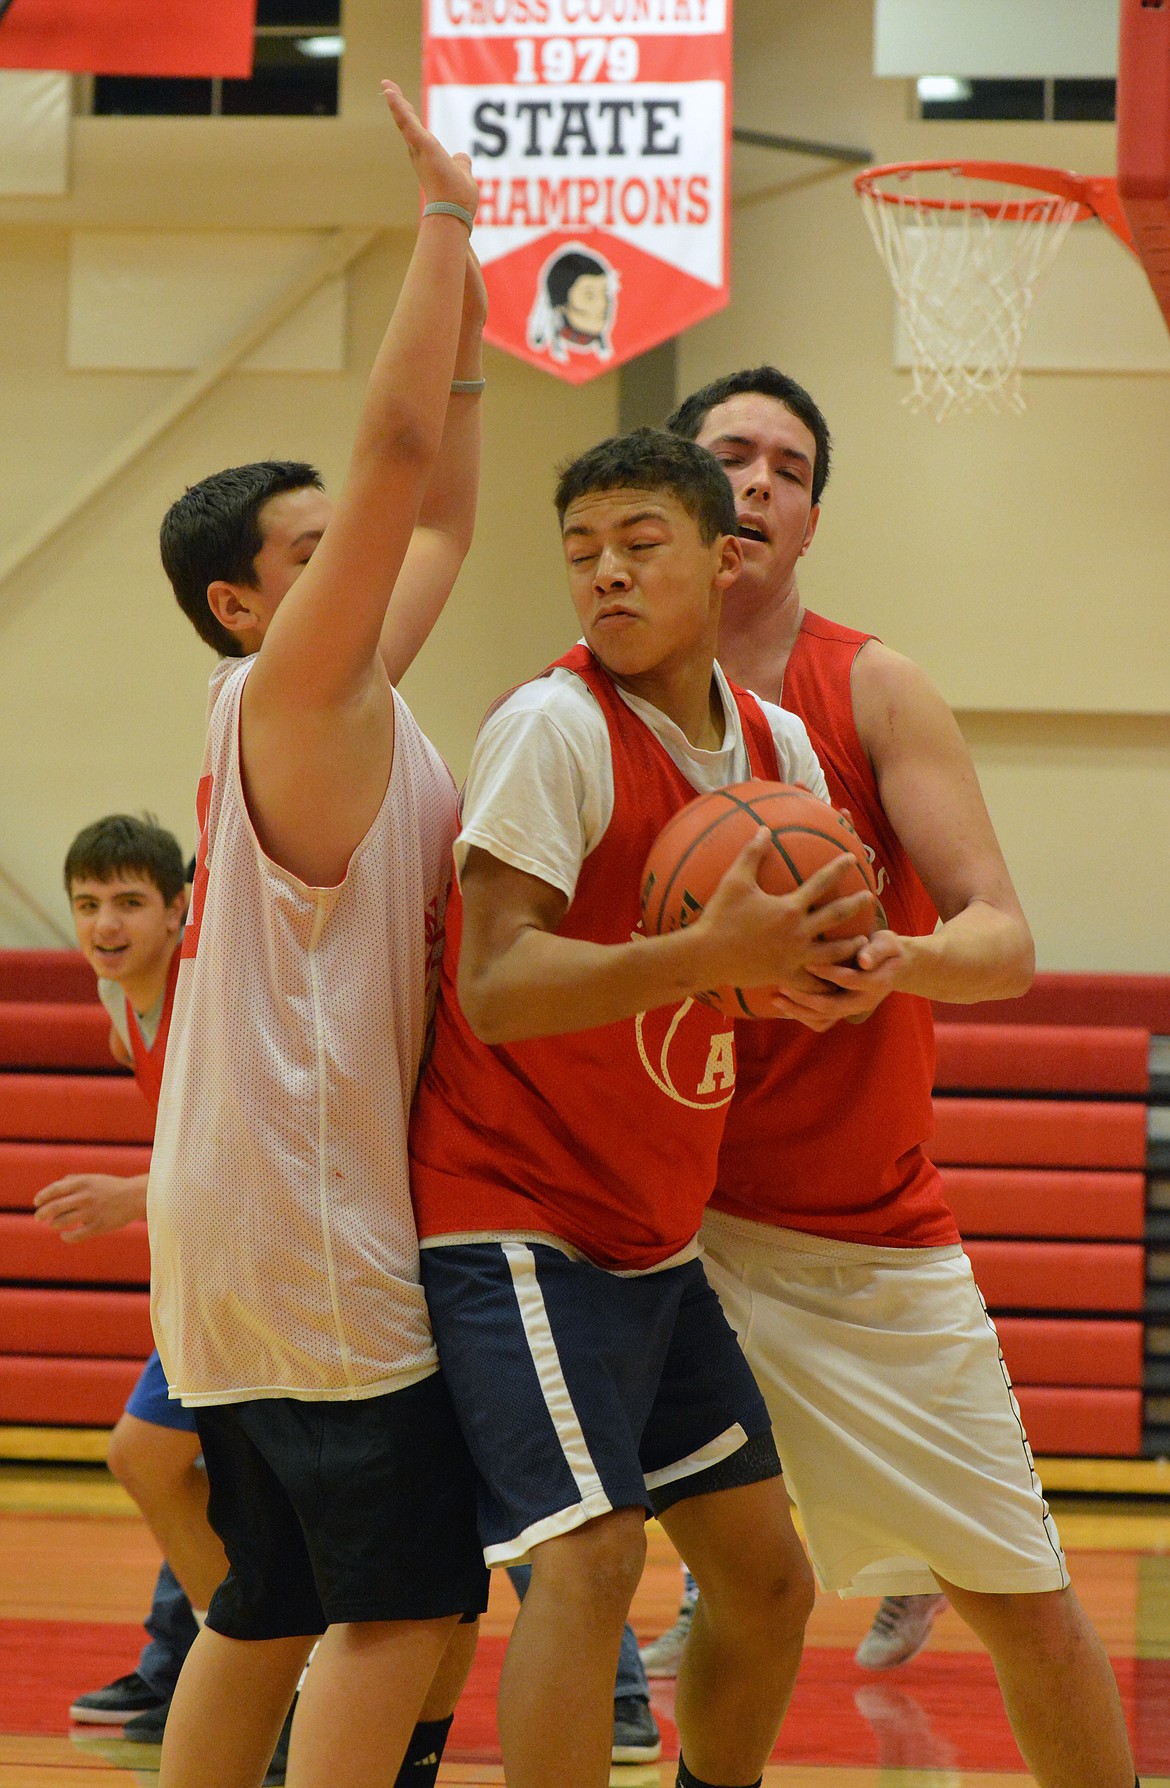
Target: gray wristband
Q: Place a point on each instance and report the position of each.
(468, 387)
(448, 208)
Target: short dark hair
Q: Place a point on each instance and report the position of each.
(120, 844)
(650, 459)
(213, 532)
(691, 414)
(566, 270)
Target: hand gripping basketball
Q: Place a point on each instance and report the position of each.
(785, 877)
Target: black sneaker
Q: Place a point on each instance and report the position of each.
(636, 1738)
(147, 1728)
(117, 1702)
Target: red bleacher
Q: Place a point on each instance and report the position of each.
(42, 1320)
(1028, 1275)
(78, 1393)
(74, 1317)
(1031, 1201)
(1122, 1002)
(1094, 1423)
(59, 1036)
(1041, 1135)
(73, 1108)
(1044, 1058)
(1040, 1114)
(1060, 1350)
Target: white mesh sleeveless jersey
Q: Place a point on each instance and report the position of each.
(283, 1248)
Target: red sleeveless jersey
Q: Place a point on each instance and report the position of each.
(148, 1063)
(607, 1138)
(826, 1132)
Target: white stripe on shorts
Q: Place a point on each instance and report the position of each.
(715, 1450)
(557, 1400)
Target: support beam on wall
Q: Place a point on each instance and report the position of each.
(647, 388)
(32, 904)
(336, 255)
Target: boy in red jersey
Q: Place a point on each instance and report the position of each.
(565, 1135)
(828, 1238)
(127, 892)
(285, 1294)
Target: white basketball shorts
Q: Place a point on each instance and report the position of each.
(901, 1441)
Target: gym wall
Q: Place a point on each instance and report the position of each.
(1023, 562)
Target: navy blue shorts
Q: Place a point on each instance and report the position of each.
(151, 1401)
(582, 1391)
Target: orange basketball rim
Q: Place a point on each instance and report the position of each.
(966, 242)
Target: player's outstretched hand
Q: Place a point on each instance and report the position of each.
(440, 175)
(764, 940)
(88, 1204)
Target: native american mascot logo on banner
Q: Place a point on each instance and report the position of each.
(599, 133)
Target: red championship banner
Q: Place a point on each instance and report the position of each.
(129, 37)
(599, 131)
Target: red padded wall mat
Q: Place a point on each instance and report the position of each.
(1043, 1201)
(1060, 1350)
(1043, 1058)
(102, 1324)
(36, 1035)
(54, 975)
(75, 1393)
(73, 1108)
(1056, 998)
(1060, 1275)
(1089, 1423)
(30, 1250)
(27, 1166)
(1037, 1133)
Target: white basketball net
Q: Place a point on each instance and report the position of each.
(965, 280)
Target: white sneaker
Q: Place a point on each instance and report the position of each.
(900, 1629)
(661, 1656)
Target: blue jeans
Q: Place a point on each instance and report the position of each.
(631, 1678)
(172, 1630)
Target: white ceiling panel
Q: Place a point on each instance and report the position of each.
(35, 115)
(1003, 39)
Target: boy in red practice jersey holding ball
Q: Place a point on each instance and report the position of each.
(565, 1135)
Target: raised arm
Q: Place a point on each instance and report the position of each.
(446, 517)
(317, 727)
(929, 790)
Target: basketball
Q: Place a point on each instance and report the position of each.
(698, 845)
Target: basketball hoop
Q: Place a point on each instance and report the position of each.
(966, 244)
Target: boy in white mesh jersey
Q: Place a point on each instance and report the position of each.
(285, 1292)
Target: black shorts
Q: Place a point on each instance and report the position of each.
(341, 1511)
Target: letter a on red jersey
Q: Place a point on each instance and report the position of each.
(599, 132)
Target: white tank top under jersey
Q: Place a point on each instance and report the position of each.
(283, 1248)
(539, 793)
(113, 998)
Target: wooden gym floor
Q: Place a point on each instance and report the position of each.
(77, 1567)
